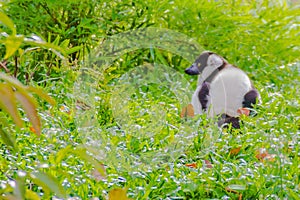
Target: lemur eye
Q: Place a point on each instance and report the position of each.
(199, 64)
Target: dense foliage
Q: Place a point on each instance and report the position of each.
(124, 133)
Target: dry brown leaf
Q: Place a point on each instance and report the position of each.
(187, 111)
(80, 105)
(99, 176)
(208, 164)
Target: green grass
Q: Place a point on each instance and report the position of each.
(145, 147)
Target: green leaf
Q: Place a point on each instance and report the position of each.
(49, 183)
(12, 44)
(65, 44)
(8, 22)
(161, 58)
(74, 49)
(19, 190)
(60, 52)
(55, 49)
(29, 104)
(237, 187)
(56, 41)
(293, 194)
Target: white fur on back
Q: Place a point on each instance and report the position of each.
(227, 91)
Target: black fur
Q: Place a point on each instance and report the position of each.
(250, 98)
(202, 95)
(226, 120)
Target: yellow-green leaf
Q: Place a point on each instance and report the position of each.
(73, 49)
(12, 44)
(61, 154)
(10, 197)
(41, 94)
(8, 22)
(65, 44)
(29, 104)
(118, 194)
(82, 154)
(13, 81)
(30, 195)
(8, 140)
(60, 52)
(9, 104)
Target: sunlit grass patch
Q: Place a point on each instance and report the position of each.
(137, 135)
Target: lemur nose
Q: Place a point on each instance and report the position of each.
(192, 70)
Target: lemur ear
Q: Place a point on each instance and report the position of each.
(214, 61)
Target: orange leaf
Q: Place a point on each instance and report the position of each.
(262, 154)
(187, 111)
(191, 165)
(235, 151)
(243, 111)
(241, 196)
(231, 190)
(234, 192)
(32, 129)
(65, 109)
(62, 108)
